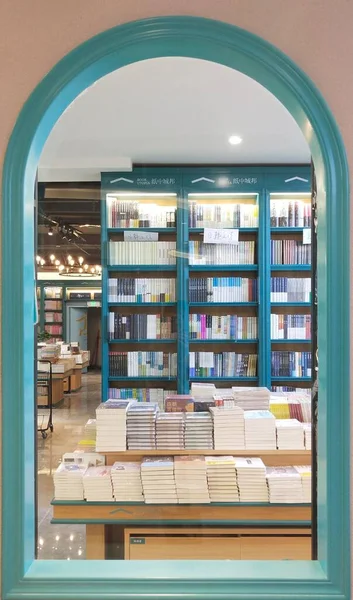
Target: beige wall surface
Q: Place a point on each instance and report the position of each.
(316, 34)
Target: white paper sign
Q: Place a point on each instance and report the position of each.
(221, 236)
(140, 236)
(307, 236)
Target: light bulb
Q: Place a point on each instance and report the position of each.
(42, 262)
(85, 267)
(38, 259)
(57, 262)
(234, 140)
(69, 257)
(52, 257)
(61, 267)
(80, 260)
(80, 270)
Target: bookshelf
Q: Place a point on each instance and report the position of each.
(241, 306)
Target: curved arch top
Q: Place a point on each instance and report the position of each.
(228, 45)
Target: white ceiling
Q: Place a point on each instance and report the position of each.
(170, 110)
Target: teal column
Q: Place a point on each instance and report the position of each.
(182, 290)
(264, 290)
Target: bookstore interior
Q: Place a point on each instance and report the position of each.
(176, 323)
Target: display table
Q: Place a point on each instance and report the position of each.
(96, 515)
(278, 531)
(74, 382)
(57, 388)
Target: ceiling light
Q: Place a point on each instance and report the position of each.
(57, 262)
(234, 140)
(52, 257)
(50, 231)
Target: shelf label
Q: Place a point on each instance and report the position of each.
(221, 236)
(140, 236)
(135, 540)
(94, 304)
(307, 236)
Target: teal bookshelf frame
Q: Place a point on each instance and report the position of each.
(219, 182)
(24, 577)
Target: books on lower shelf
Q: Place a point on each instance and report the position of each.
(260, 430)
(222, 364)
(126, 481)
(111, 425)
(125, 213)
(305, 475)
(284, 485)
(68, 481)
(290, 289)
(222, 327)
(290, 327)
(187, 479)
(191, 480)
(142, 364)
(141, 290)
(289, 389)
(251, 477)
(141, 326)
(222, 289)
(290, 252)
(242, 253)
(225, 215)
(142, 253)
(158, 481)
(141, 425)
(290, 434)
(290, 213)
(290, 364)
(222, 479)
(97, 484)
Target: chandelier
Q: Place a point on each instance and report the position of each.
(70, 266)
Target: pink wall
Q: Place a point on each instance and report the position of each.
(316, 34)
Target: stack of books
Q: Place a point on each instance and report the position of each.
(203, 394)
(252, 398)
(141, 426)
(178, 403)
(228, 427)
(126, 480)
(290, 434)
(198, 431)
(97, 485)
(260, 430)
(222, 479)
(305, 475)
(158, 481)
(170, 431)
(307, 436)
(284, 485)
(68, 481)
(111, 425)
(191, 480)
(251, 477)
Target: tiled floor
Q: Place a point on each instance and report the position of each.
(63, 541)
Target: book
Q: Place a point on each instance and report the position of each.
(251, 477)
(222, 327)
(141, 253)
(128, 213)
(289, 252)
(222, 364)
(97, 484)
(222, 289)
(242, 253)
(224, 215)
(290, 327)
(290, 364)
(142, 364)
(141, 290)
(284, 485)
(260, 430)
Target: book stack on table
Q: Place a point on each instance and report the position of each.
(191, 480)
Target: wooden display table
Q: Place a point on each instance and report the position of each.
(74, 382)
(96, 515)
(206, 531)
(57, 388)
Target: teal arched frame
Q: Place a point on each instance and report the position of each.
(22, 575)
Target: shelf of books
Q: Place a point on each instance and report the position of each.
(53, 312)
(206, 305)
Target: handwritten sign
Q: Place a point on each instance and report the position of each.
(221, 236)
(306, 236)
(140, 236)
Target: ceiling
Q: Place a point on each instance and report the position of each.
(170, 110)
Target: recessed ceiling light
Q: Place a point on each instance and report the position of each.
(234, 140)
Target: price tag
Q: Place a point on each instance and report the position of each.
(307, 236)
(221, 236)
(140, 236)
